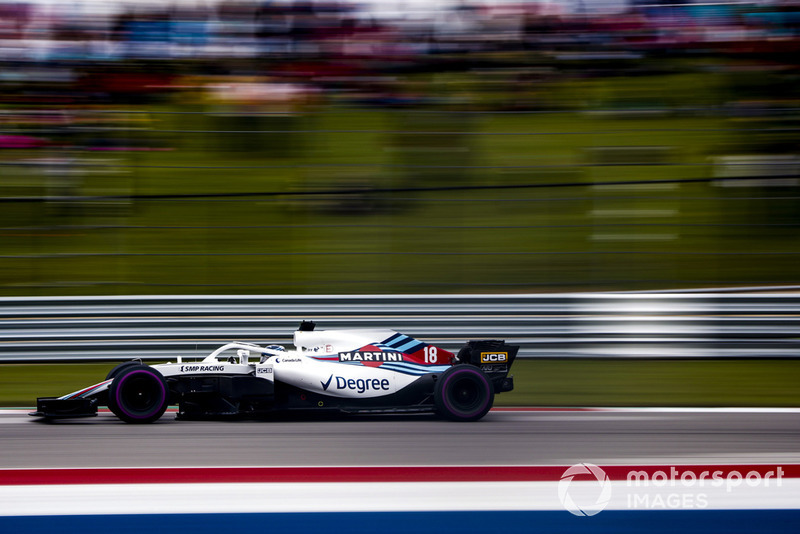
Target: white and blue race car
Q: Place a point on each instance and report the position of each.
(352, 371)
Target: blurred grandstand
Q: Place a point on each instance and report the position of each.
(239, 146)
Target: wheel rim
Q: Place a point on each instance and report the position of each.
(140, 395)
(465, 394)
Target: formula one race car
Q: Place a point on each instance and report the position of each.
(349, 371)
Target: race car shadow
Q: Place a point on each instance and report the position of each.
(282, 417)
(320, 416)
(65, 420)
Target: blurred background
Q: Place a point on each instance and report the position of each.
(470, 146)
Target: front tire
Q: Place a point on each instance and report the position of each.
(138, 394)
(119, 368)
(463, 393)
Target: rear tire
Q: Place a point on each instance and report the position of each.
(463, 393)
(138, 394)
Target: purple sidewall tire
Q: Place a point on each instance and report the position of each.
(463, 393)
(138, 394)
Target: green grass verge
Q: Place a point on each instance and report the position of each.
(604, 237)
(538, 382)
(654, 383)
(20, 384)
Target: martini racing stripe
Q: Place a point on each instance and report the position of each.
(407, 368)
(404, 343)
(394, 338)
(384, 348)
(414, 368)
(85, 392)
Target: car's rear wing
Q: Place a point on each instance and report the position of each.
(494, 357)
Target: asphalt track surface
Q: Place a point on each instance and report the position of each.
(501, 438)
